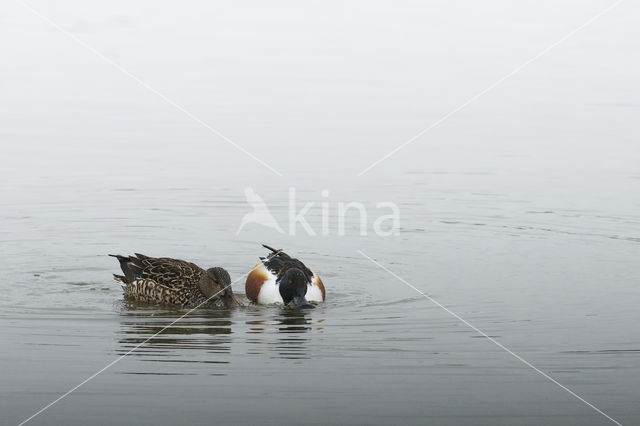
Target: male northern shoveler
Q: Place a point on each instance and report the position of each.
(173, 282)
(279, 278)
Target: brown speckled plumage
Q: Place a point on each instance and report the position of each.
(173, 282)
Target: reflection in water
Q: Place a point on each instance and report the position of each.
(289, 327)
(204, 336)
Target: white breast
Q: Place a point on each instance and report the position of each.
(269, 292)
(314, 294)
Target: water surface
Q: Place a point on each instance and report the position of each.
(520, 213)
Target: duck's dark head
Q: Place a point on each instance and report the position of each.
(293, 287)
(215, 283)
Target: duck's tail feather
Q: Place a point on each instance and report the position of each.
(129, 265)
(271, 248)
(120, 279)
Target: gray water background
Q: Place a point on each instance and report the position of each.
(520, 212)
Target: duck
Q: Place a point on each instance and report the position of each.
(280, 279)
(167, 281)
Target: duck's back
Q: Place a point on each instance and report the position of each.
(160, 280)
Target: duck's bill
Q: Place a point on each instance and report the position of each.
(236, 301)
(302, 303)
(230, 301)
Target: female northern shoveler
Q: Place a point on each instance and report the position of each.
(173, 282)
(278, 278)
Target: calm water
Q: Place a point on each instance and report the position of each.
(520, 213)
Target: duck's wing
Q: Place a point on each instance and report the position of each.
(147, 290)
(278, 262)
(163, 270)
